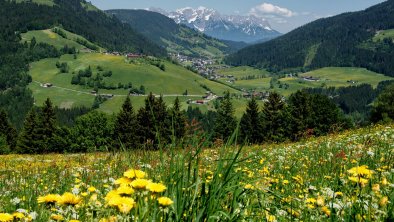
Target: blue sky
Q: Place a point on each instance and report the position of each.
(283, 15)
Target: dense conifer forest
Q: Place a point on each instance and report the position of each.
(342, 40)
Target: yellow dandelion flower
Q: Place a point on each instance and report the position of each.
(326, 211)
(125, 190)
(338, 194)
(249, 186)
(310, 200)
(384, 182)
(383, 202)
(49, 199)
(320, 201)
(124, 204)
(18, 215)
(123, 181)
(361, 171)
(376, 187)
(110, 219)
(73, 221)
(57, 217)
(110, 195)
(132, 173)
(4, 217)
(156, 187)
(92, 189)
(140, 183)
(69, 199)
(165, 201)
(284, 182)
(359, 180)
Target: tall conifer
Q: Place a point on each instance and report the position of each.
(125, 127)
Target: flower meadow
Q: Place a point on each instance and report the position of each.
(341, 177)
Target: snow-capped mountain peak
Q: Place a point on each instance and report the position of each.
(227, 27)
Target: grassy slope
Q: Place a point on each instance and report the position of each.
(383, 35)
(48, 36)
(40, 2)
(175, 80)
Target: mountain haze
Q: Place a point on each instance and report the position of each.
(350, 39)
(238, 28)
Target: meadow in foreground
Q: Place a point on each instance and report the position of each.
(344, 177)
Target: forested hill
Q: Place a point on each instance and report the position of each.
(350, 39)
(75, 16)
(176, 38)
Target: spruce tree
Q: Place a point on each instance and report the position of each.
(47, 126)
(146, 130)
(29, 138)
(125, 127)
(383, 107)
(250, 125)
(7, 131)
(225, 123)
(162, 121)
(275, 118)
(178, 120)
(301, 112)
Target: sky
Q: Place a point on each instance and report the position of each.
(283, 15)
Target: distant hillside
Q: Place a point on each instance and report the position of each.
(79, 17)
(176, 38)
(345, 40)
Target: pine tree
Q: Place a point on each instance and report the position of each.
(146, 130)
(162, 121)
(125, 127)
(225, 123)
(47, 126)
(275, 118)
(7, 132)
(301, 111)
(383, 107)
(178, 120)
(250, 125)
(29, 139)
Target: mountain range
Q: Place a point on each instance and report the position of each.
(249, 29)
(357, 39)
(176, 38)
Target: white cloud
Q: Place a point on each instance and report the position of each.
(267, 8)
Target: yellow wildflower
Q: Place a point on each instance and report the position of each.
(124, 204)
(384, 182)
(92, 189)
(123, 181)
(18, 215)
(326, 211)
(73, 221)
(69, 199)
(49, 199)
(249, 186)
(360, 171)
(4, 217)
(383, 202)
(156, 187)
(376, 187)
(165, 201)
(140, 183)
(125, 190)
(338, 194)
(320, 201)
(57, 217)
(359, 180)
(131, 174)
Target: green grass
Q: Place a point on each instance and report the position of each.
(175, 80)
(384, 34)
(40, 2)
(311, 55)
(243, 71)
(51, 38)
(257, 84)
(340, 177)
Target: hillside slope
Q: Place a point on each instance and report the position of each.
(343, 40)
(176, 38)
(78, 17)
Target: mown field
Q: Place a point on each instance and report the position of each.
(342, 177)
(175, 80)
(328, 77)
